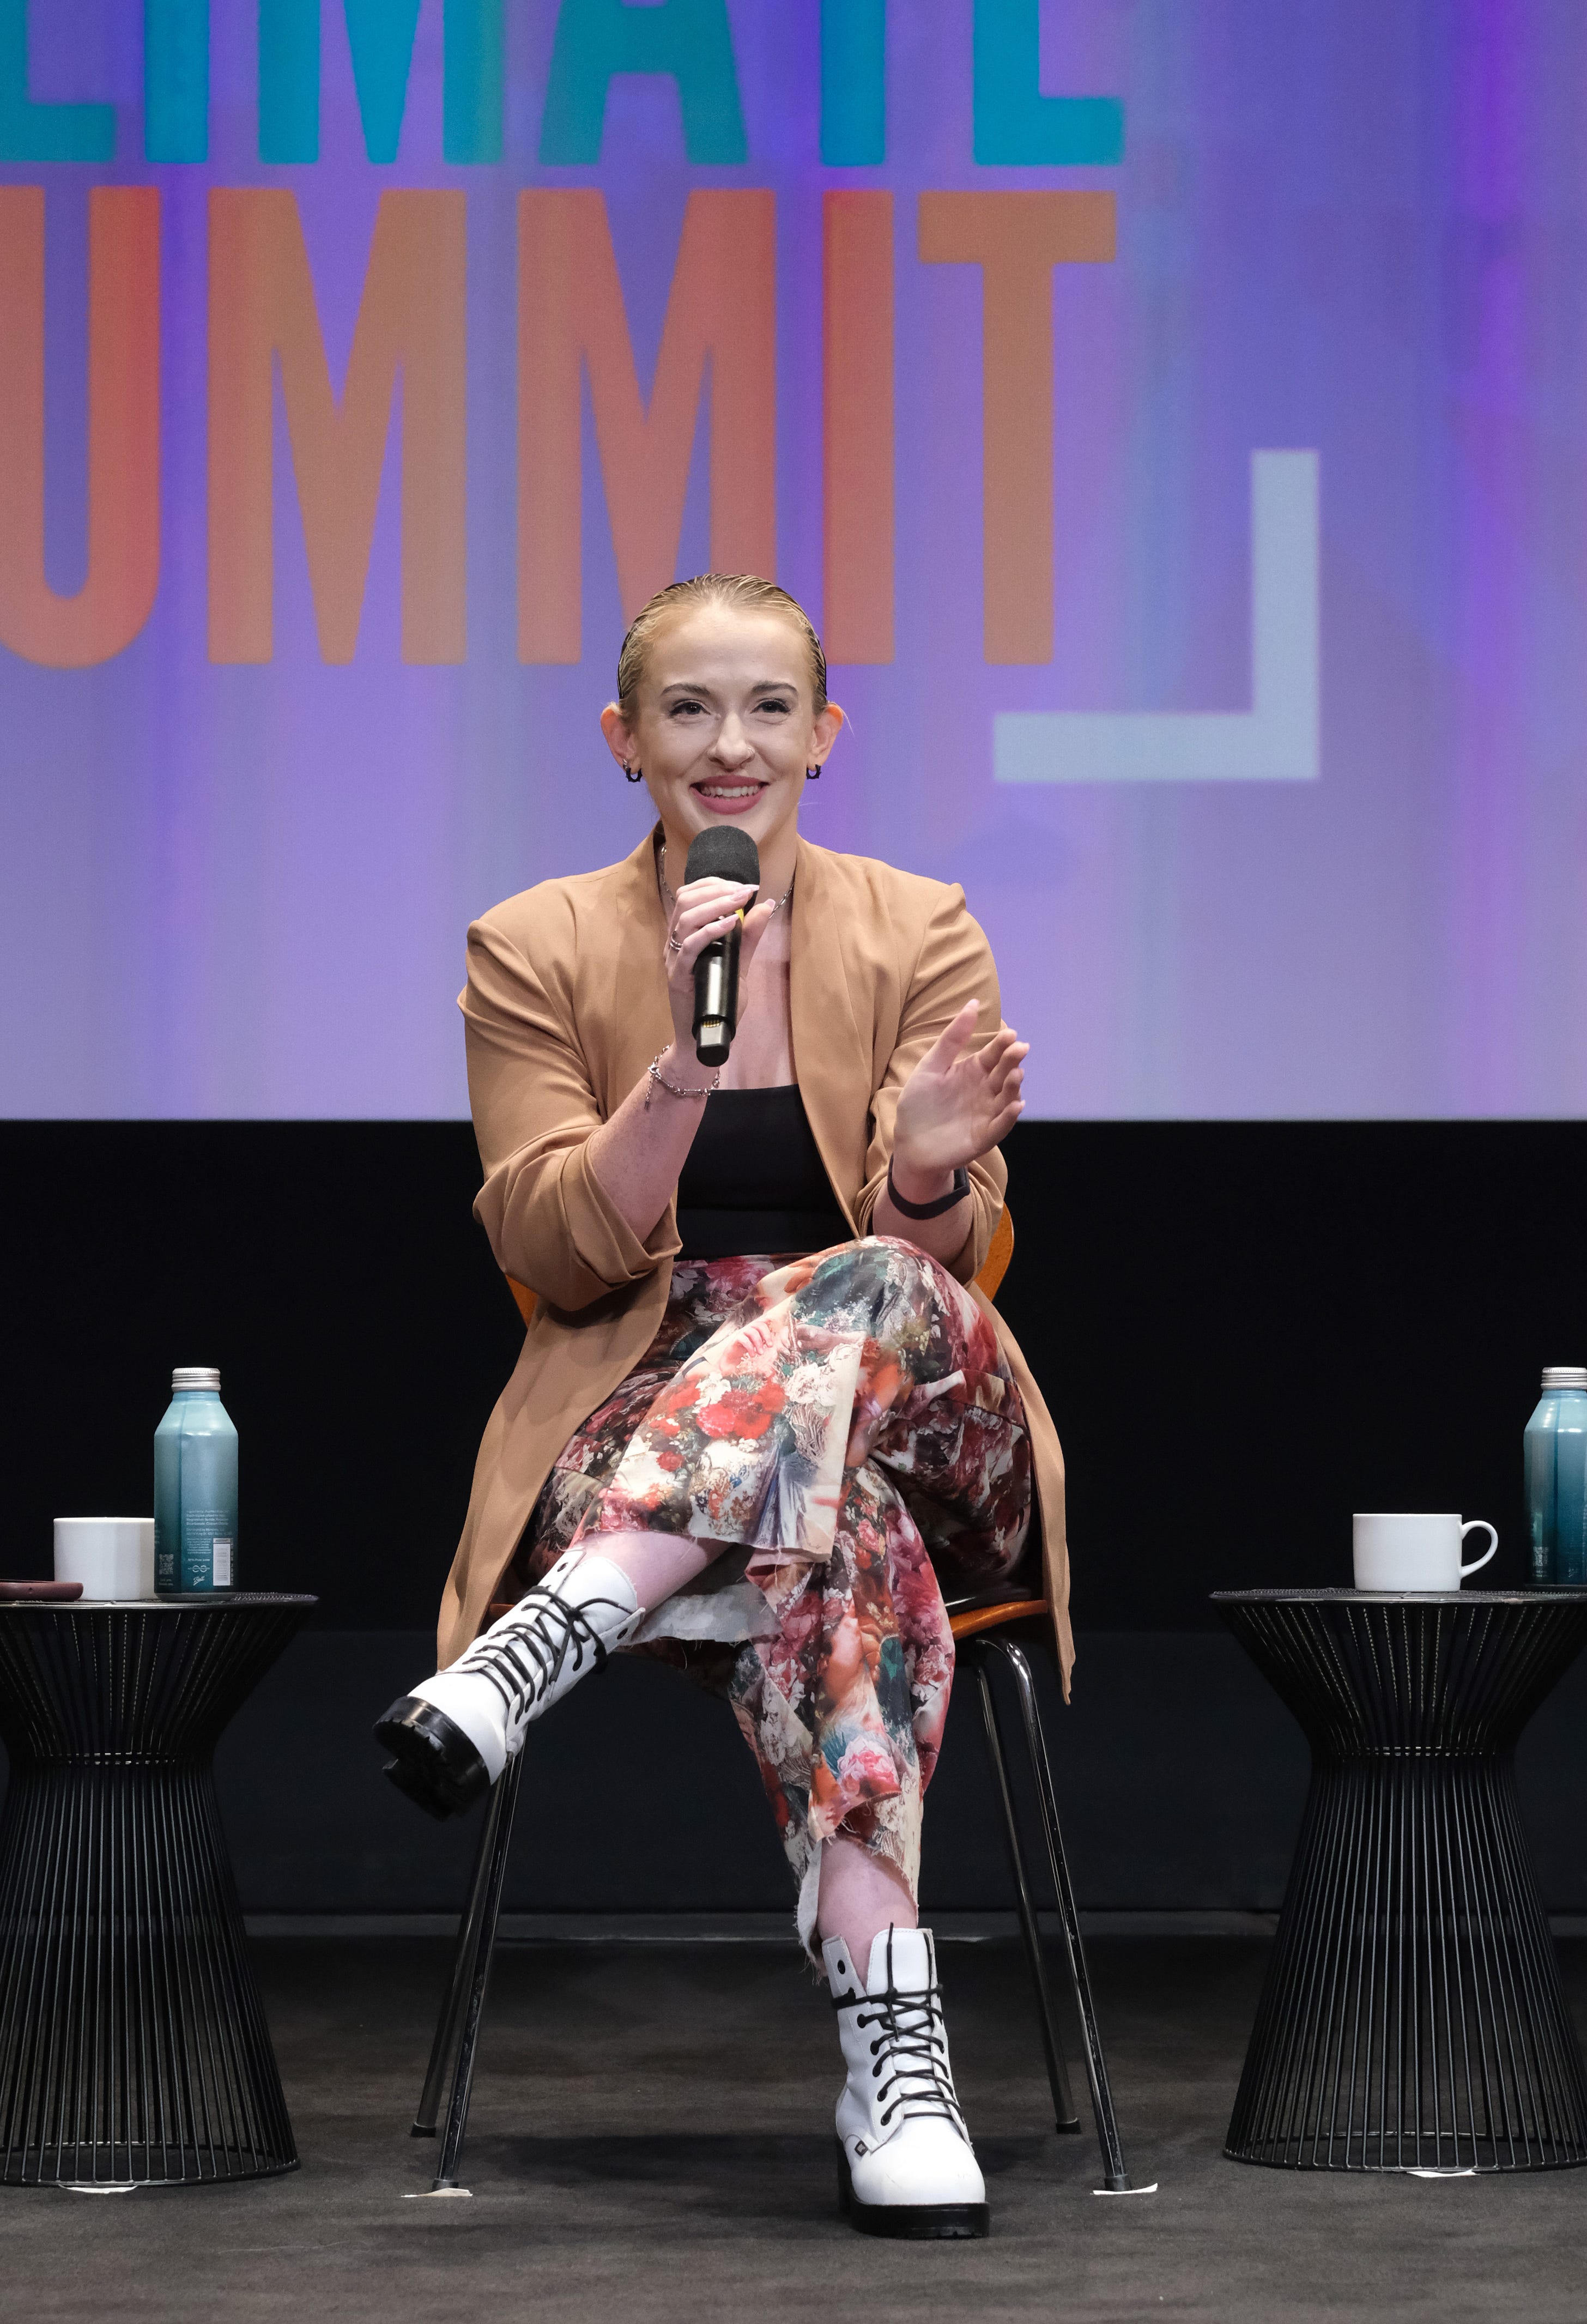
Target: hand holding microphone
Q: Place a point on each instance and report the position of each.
(712, 941)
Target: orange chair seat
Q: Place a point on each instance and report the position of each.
(992, 1617)
(995, 1265)
(962, 1626)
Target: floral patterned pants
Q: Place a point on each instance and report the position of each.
(843, 1425)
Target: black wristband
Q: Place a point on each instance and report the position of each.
(961, 1187)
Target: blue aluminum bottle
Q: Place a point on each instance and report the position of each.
(195, 1488)
(1556, 1479)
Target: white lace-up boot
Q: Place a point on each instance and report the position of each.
(456, 1732)
(906, 2166)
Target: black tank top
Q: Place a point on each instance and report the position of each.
(754, 1180)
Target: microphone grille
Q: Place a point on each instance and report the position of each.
(724, 852)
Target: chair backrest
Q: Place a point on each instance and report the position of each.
(993, 1269)
(998, 1251)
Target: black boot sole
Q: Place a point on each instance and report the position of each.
(920, 2223)
(433, 1762)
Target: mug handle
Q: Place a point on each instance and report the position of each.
(1493, 1533)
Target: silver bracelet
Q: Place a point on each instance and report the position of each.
(672, 1088)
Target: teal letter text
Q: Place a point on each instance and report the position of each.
(1015, 124)
(854, 83)
(43, 132)
(689, 39)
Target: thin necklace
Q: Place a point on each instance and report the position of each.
(672, 901)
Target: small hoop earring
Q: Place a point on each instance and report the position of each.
(634, 774)
(812, 774)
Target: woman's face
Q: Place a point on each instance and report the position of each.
(725, 723)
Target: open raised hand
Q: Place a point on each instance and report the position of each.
(958, 1102)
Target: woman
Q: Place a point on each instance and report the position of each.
(757, 1411)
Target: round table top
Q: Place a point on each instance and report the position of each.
(1400, 1596)
(1424, 1671)
(172, 1601)
(107, 1681)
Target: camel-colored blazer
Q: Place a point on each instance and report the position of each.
(565, 1007)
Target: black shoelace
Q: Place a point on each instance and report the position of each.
(523, 1662)
(914, 2045)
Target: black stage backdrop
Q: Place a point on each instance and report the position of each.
(1245, 1331)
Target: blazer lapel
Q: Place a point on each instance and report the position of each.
(633, 1011)
(832, 1051)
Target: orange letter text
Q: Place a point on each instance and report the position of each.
(1017, 239)
(857, 609)
(123, 429)
(571, 317)
(411, 317)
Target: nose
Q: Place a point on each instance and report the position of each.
(731, 747)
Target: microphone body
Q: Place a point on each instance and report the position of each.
(725, 852)
(716, 998)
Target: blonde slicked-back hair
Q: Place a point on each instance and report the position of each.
(746, 589)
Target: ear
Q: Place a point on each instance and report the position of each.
(619, 734)
(828, 726)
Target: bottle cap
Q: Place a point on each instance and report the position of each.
(1558, 1376)
(207, 1376)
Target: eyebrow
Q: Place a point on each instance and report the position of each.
(760, 685)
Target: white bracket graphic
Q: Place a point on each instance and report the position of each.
(1276, 741)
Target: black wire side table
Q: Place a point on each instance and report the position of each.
(1413, 2018)
(133, 2050)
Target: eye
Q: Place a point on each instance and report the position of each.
(777, 703)
(687, 709)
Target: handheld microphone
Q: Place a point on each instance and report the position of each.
(723, 852)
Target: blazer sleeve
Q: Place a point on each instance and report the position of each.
(953, 965)
(551, 1221)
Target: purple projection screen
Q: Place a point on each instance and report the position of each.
(1173, 412)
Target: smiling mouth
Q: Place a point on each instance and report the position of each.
(730, 795)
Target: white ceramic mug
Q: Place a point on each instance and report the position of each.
(112, 1557)
(1394, 1551)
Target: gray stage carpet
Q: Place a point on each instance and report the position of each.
(651, 2139)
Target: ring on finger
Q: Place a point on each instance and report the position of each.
(673, 944)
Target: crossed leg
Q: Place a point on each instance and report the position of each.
(860, 1894)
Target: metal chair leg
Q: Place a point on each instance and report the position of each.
(451, 2016)
(465, 2004)
(1058, 2072)
(1101, 2095)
